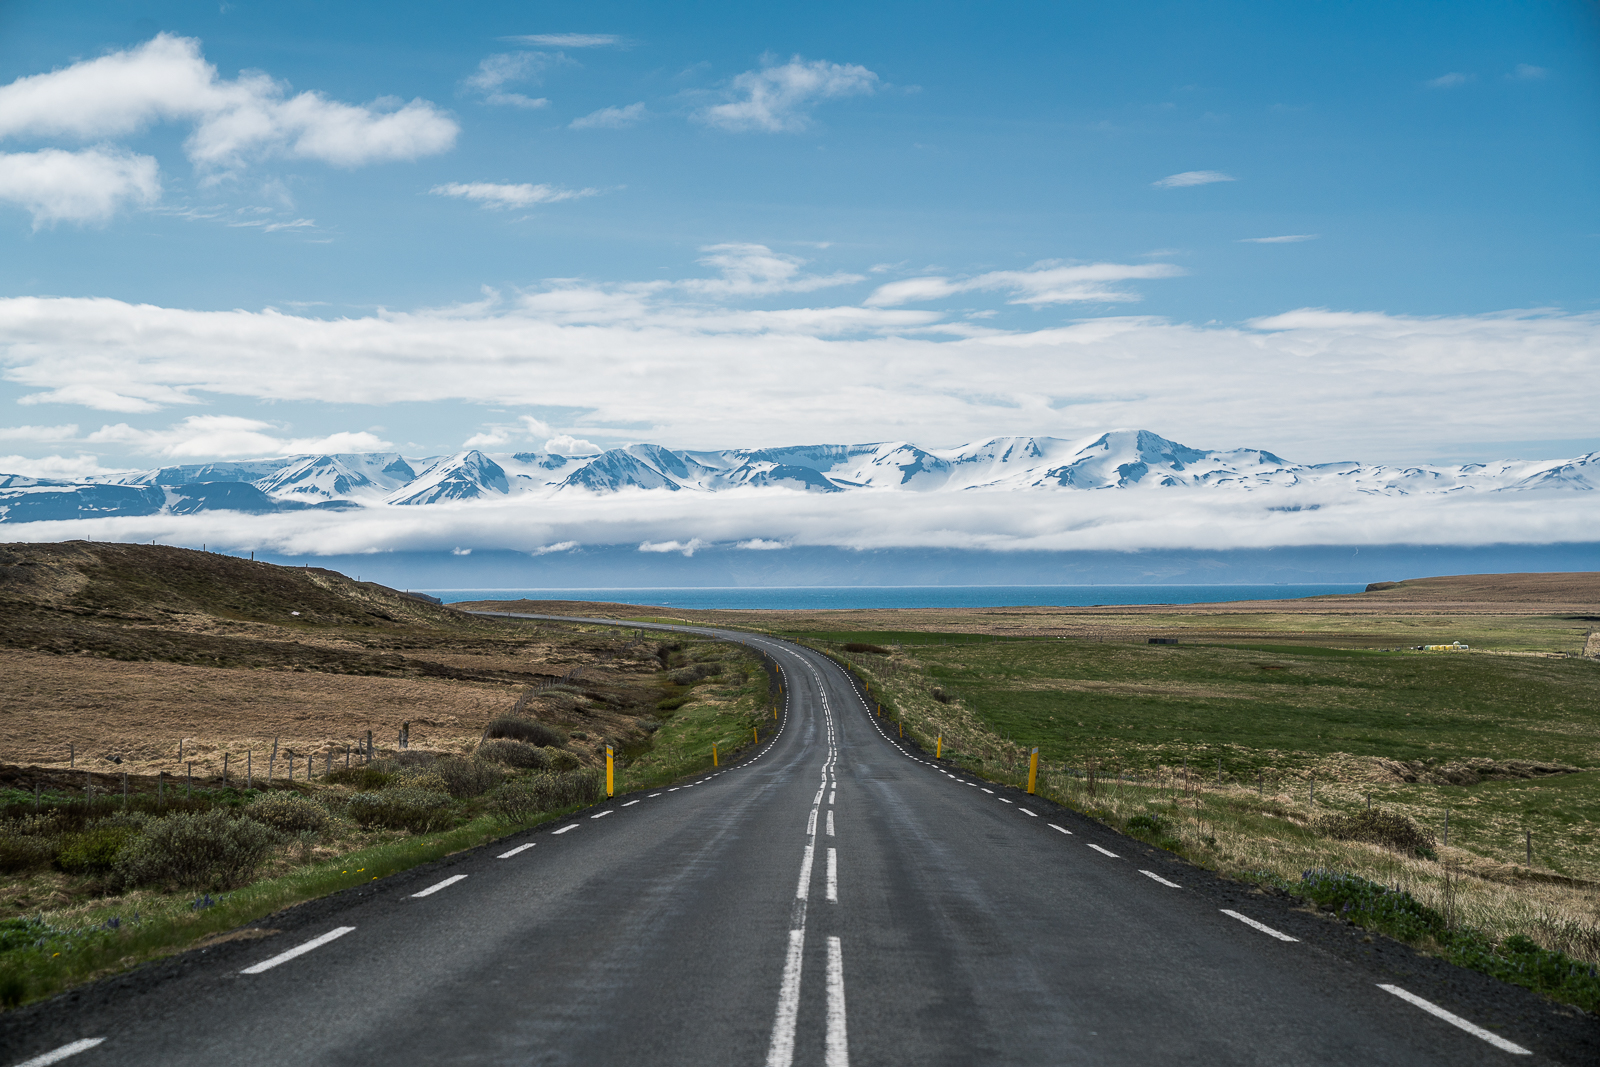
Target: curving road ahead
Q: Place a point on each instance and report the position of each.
(833, 898)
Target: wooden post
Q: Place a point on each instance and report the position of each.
(188, 778)
(224, 770)
(249, 770)
(1446, 827)
(72, 754)
(124, 788)
(1529, 836)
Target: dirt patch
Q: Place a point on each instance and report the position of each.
(1461, 772)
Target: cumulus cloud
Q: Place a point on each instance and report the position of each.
(567, 40)
(1192, 177)
(85, 186)
(756, 270)
(610, 118)
(1044, 283)
(234, 122)
(1310, 384)
(687, 548)
(64, 468)
(209, 436)
(493, 195)
(779, 98)
(502, 434)
(1452, 80)
(1286, 239)
(42, 434)
(568, 445)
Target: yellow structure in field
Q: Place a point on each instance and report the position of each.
(1454, 646)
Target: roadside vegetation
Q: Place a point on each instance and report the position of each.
(139, 839)
(1323, 771)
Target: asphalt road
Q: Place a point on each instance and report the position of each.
(831, 898)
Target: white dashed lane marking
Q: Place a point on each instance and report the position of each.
(1063, 829)
(435, 887)
(630, 803)
(564, 829)
(519, 848)
(603, 814)
(1104, 851)
(1263, 927)
(298, 950)
(1455, 1020)
(57, 1055)
(1156, 877)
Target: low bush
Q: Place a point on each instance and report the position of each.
(210, 850)
(402, 808)
(361, 777)
(93, 851)
(1378, 827)
(546, 792)
(465, 778)
(288, 813)
(697, 673)
(941, 696)
(862, 646)
(20, 853)
(529, 731)
(514, 754)
(1146, 826)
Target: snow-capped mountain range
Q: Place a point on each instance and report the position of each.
(1128, 460)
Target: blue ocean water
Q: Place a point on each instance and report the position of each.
(906, 596)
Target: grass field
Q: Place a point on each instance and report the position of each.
(1214, 749)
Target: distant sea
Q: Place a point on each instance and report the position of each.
(906, 596)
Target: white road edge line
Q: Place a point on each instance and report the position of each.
(1103, 851)
(1156, 877)
(519, 848)
(1455, 1020)
(298, 950)
(1263, 927)
(432, 889)
(1063, 829)
(57, 1055)
(833, 876)
(837, 1045)
(564, 829)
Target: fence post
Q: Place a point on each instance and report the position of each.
(1529, 836)
(249, 769)
(72, 754)
(188, 778)
(124, 789)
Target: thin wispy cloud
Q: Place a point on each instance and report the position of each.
(1044, 283)
(498, 195)
(567, 40)
(610, 118)
(1453, 80)
(780, 97)
(1192, 177)
(1285, 239)
(1529, 72)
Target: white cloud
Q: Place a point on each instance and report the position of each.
(687, 548)
(67, 432)
(779, 98)
(500, 435)
(1192, 177)
(1451, 80)
(568, 40)
(1045, 283)
(528, 103)
(757, 544)
(250, 117)
(610, 118)
(1310, 384)
(1286, 239)
(508, 68)
(65, 468)
(458, 551)
(492, 195)
(568, 445)
(211, 436)
(545, 550)
(756, 270)
(85, 186)
(1529, 72)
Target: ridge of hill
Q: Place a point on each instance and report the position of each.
(1547, 588)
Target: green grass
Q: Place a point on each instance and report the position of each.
(719, 710)
(895, 637)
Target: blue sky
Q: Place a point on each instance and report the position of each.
(735, 225)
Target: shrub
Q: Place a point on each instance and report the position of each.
(1377, 827)
(699, 672)
(288, 813)
(200, 851)
(402, 808)
(562, 761)
(465, 778)
(862, 646)
(1146, 826)
(430, 780)
(94, 851)
(546, 792)
(514, 754)
(516, 728)
(941, 696)
(24, 852)
(361, 777)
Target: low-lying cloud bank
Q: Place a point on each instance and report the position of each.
(770, 519)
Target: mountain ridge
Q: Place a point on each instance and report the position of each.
(1121, 460)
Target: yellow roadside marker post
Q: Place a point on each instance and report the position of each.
(902, 727)
(713, 753)
(609, 779)
(1033, 769)
(938, 747)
